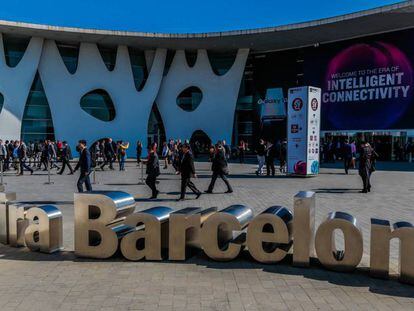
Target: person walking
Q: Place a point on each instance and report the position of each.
(365, 168)
(66, 156)
(22, 154)
(3, 154)
(109, 152)
(122, 148)
(347, 154)
(52, 155)
(242, 151)
(220, 168)
(165, 154)
(260, 153)
(85, 166)
(187, 170)
(139, 152)
(153, 170)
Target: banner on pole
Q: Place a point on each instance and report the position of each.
(303, 130)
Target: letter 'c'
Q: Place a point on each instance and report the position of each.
(210, 236)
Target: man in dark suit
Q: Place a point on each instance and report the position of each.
(219, 167)
(109, 153)
(153, 170)
(66, 156)
(85, 165)
(187, 171)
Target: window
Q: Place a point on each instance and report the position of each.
(37, 121)
(14, 48)
(168, 61)
(69, 54)
(221, 62)
(108, 54)
(98, 104)
(190, 98)
(1, 101)
(139, 67)
(191, 57)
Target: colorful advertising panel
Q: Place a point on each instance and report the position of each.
(273, 106)
(367, 84)
(303, 128)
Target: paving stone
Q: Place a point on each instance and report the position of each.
(33, 281)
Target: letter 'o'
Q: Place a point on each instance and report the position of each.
(325, 243)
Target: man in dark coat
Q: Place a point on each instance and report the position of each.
(187, 171)
(220, 168)
(66, 156)
(347, 154)
(153, 170)
(365, 156)
(85, 165)
(109, 153)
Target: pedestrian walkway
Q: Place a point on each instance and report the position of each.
(63, 282)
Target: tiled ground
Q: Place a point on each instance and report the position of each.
(33, 281)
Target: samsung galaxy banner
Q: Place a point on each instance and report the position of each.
(304, 106)
(273, 106)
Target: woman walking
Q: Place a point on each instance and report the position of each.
(122, 148)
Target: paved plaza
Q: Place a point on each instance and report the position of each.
(34, 281)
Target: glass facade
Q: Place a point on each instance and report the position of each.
(70, 54)
(156, 130)
(139, 67)
(1, 101)
(190, 98)
(191, 57)
(37, 121)
(98, 104)
(221, 62)
(108, 54)
(168, 61)
(14, 48)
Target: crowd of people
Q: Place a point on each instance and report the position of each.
(47, 155)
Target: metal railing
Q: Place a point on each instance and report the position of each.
(93, 173)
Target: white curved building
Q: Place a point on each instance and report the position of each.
(69, 83)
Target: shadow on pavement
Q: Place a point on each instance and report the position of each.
(359, 278)
(336, 190)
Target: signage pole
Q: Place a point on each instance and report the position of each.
(49, 182)
(1, 171)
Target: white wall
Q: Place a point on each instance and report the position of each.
(64, 91)
(215, 114)
(15, 85)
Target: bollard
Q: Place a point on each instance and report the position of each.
(94, 176)
(49, 182)
(1, 172)
(142, 174)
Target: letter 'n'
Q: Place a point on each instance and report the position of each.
(381, 234)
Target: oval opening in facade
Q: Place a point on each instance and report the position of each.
(99, 105)
(190, 98)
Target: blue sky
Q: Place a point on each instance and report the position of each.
(177, 16)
